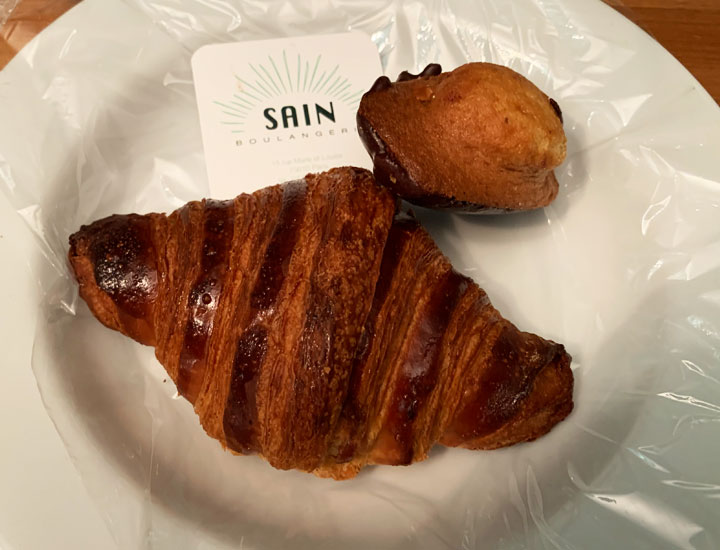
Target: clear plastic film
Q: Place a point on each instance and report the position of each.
(98, 116)
(6, 8)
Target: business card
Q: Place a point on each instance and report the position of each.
(274, 110)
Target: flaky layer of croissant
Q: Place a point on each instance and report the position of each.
(311, 324)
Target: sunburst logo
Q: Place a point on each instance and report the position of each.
(274, 110)
(314, 87)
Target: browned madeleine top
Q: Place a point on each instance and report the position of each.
(479, 137)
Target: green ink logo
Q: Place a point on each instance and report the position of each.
(267, 92)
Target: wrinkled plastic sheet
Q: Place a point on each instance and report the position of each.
(98, 116)
(6, 8)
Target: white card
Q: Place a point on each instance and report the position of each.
(275, 110)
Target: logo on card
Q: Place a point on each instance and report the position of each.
(302, 96)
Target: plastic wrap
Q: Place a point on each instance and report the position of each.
(6, 8)
(97, 116)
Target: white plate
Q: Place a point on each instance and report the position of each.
(98, 116)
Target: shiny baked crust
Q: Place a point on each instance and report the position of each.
(313, 325)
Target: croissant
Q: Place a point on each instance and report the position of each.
(312, 324)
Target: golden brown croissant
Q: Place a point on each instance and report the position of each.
(312, 325)
(481, 138)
